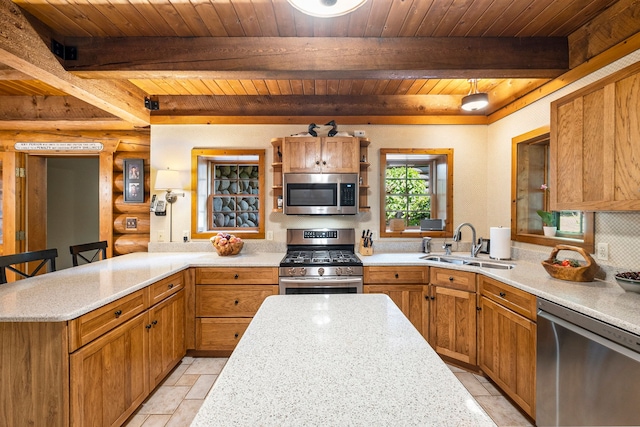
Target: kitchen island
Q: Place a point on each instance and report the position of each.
(336, 360)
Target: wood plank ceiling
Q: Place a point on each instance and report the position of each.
(263, 61)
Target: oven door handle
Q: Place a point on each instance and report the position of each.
(320, 280)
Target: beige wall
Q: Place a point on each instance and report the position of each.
(482, 169)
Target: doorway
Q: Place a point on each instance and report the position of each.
(73, 205)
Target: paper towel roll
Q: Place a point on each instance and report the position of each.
(500, 243)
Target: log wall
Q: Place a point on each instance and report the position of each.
(131, 221)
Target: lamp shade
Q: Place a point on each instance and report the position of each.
(167, 179)
(326, 8)
(475, 101)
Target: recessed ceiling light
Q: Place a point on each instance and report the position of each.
(326, 8)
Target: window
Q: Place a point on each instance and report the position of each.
(530, 193)
(418, 189)
(229, 192)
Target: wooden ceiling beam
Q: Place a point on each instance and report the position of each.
(328, 105)
(56, 108)
(282, 58)
(22, 49)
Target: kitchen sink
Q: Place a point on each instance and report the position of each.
(473, 262)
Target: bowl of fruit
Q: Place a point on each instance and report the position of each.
(227, 244)
(629, 281)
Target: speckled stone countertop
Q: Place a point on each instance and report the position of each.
(601, 300)
(69, 293)
(312, 360)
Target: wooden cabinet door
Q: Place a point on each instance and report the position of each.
(593, 146)
(453, 324)
(301, 154)
(109, 376)
(410, 299)
(166, 337)
(340, 155)
(507, 352)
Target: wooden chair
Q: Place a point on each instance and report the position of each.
(100, 249)
(10, 262)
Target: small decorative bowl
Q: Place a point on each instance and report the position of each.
(629, 285)
(229, 249)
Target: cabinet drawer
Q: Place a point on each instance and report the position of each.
(220, 334)
(90, 326)
(388, 275)
(166, 287)
(231, 300)
(512, 298)
(228, 276)
(463, 280)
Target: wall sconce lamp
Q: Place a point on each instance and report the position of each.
(475, 100)
(326, 8)
(169, 180)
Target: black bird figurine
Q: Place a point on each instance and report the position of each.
(312, 129)
(334, 129)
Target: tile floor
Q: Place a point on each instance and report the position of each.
(175, 402)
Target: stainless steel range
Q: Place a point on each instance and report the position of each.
(320, 261)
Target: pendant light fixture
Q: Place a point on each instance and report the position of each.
(475, 100)
(326, 8)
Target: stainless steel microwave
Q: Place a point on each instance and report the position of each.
(320, 194)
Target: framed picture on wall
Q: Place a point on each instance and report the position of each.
(133, 180)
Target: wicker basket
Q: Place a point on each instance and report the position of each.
(229, 249)
(585, 273)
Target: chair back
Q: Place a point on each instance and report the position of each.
(11, 263)
(97, 251)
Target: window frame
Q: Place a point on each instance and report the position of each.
(537, 137)
(416, 232)
(206, 155)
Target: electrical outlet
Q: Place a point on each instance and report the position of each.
(160, 235)
(185, 236)
(603, 251)
(269, 235)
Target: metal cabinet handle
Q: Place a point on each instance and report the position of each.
(478, 308)
(324, 162)
(236, 335)
(317, 162)
(148, 326)
(170, 285)
(236, 277)
(451, 278)
(502, 294)
(155, 322)
(397, 275)
(118, 313)
(236, 302)
(432, 298)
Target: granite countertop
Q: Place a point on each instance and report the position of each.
(69, 293)
(602, 300)
(336, 360)
(66, 294)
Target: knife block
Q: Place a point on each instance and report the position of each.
(365, 251)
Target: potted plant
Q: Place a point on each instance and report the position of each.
(548, 222)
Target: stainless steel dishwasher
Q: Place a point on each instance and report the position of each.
(588, 372)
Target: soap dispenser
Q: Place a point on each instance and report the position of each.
(426, 245)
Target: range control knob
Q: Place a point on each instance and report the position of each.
(321, 271)
(291, 271)
(338, 271)
(303, 271)
(349, 271)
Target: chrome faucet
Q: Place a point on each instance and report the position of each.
(475, 248)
